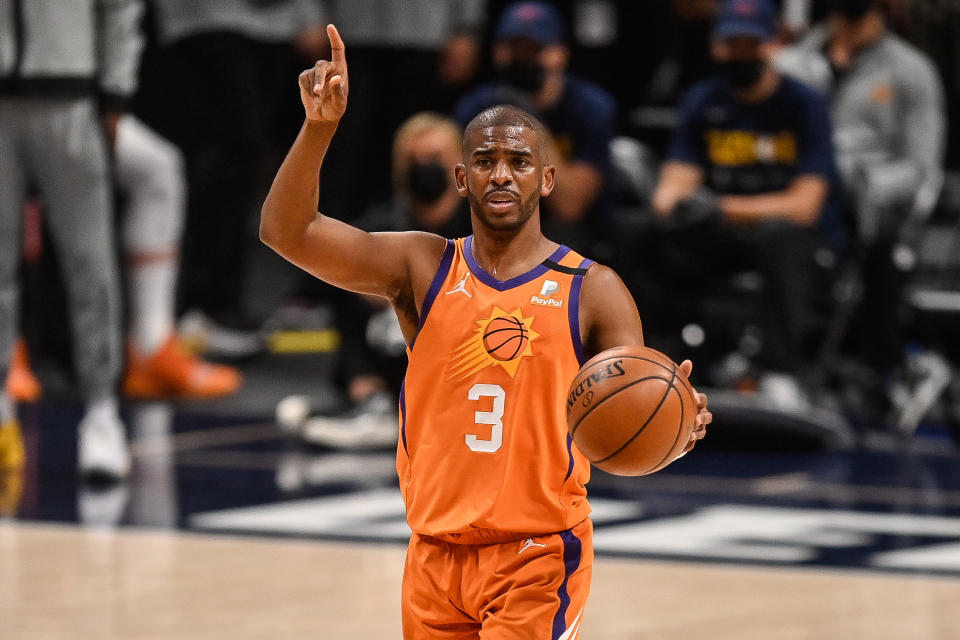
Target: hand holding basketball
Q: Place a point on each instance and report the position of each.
(324, 88)
(704, 417)
(632, 411)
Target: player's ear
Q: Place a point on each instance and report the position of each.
(546, 186)
(460, 176)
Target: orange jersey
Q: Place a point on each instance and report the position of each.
(484, 451)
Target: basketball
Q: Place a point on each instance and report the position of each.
(505, 338)
(630, 410)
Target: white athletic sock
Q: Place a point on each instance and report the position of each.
(103, 408)
(151, 285)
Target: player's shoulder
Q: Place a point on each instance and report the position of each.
(418, 245)
(600, 280)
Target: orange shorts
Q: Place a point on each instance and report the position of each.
(525, 589)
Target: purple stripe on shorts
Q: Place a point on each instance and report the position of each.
(571, 560)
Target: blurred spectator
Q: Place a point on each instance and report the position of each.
(602, 34)
(531, 61)
(407, 57)
(887, 103)
(747, 182)
(149, 175)
(372, 360)
(222, 66)
(148, 172)
(66, 71)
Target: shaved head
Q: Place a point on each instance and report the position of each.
(507, 115)
(505, 171)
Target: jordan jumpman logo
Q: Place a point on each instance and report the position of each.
(529, 543)
(460, 287)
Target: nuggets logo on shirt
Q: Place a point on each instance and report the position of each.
(740, 148)
(501, 339)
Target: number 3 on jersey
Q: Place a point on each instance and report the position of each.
(493, 418)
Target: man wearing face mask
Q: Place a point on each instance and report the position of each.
(531, 60)
(372, 358)
(887, 103)
(747, 183)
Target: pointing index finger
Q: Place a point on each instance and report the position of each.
(337, 49)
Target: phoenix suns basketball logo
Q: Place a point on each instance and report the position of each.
(502, 339)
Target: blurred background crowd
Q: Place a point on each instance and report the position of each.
(775, 181)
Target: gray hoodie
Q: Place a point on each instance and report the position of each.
(888, 115)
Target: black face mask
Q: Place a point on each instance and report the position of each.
(852, 10)
(524, 76)
(743, 74)
(427, 181)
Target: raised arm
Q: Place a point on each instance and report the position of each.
(390, 265)
(609, 318)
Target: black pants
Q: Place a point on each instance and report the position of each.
(876, 333)
(230, 103)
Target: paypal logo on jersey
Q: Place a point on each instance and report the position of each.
(545, 299)
(549, 288)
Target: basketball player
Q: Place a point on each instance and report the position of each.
(495, 493)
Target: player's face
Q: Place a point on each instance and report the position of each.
(503, 176)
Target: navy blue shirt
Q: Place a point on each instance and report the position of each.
(582, 123)
(749, 149)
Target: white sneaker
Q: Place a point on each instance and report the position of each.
(102, 446)
(930, 375)
(370, 426)
(102, 507)
(204, 336)
(292, 411)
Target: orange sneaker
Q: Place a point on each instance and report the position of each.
(12, 456)
(22, 384)
(174, 372)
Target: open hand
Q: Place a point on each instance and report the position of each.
(324, 88)
(704, 417)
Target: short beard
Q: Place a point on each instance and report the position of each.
(526, 212)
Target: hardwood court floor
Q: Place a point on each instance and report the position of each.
(85, 584)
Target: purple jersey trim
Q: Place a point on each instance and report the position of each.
(574, 310)
(572, 550)
(503, 285)
(570, 456)
(438, 279)
(403, 414)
